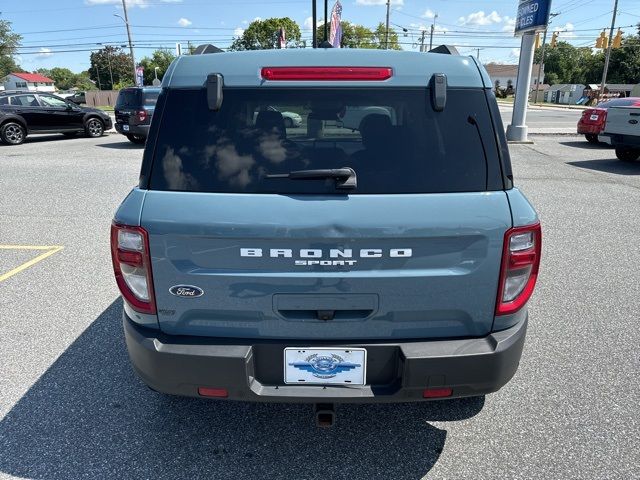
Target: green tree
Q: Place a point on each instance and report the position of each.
(111, 61)
(9, 43)
(359, 36)
(263, 34)
(160, 58)
(63, 78)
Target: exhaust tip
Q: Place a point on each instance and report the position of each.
(325, 415)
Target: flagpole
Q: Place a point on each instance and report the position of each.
(326, 14)
(314, 15)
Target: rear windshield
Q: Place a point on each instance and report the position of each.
(391, 138)
(128, 98)
(150, 97)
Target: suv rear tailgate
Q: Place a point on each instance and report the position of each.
(430, 267)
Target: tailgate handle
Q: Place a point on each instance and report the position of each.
(325, 307)
(326, 315)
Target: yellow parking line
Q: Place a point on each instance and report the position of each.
(49, 251)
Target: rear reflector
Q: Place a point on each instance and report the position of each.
(327, 73)
(213, 392)
(437, 392)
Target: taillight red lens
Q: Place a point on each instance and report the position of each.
(132, 266)
(327, 73)
(437, 392)
(213, 392)
(519, 270)
(142, 115)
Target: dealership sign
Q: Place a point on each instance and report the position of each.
(533, 15)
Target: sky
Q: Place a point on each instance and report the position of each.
(63, 33)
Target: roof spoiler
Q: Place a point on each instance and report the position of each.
(445, 49)
(214, 91)
(206, 48)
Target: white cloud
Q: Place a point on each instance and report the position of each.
(378, 2)
(238, 32)
(509, 24)
(429, 14)
(308, 22)
(130, 3)
(44, 53)
(514, 53)
(480, 18)
(244, 22)
(257, 19)
(184, 22)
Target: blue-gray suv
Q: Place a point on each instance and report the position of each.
(377, 252)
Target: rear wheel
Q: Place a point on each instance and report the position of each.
(93, 128)
(592, 138)
(137, 139)
(627, 154)
(13, 133)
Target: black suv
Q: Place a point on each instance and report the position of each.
(134, 109)
(24, 113)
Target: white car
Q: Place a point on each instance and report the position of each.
(291, 119)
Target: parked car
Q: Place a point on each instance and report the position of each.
(77, 97)
(623, 128)
(392, 263)
(291, 119)
(592, 121)
(134, 110)
(23, 113)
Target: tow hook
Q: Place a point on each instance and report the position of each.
(325, 414)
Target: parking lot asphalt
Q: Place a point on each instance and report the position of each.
(71, 407)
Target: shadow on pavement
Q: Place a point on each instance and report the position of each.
(586, 145)
(609, 166)
(127, 145)
(88, 416)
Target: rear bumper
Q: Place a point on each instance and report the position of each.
(624, 140)
(586, 129)
(139, 130)
(253, 370)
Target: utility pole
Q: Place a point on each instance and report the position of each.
(98, 75)
(477, 54)
(422, 41)
(110, 70)
(433, 27)
(386, 32)
(608, 55)
(126, 22)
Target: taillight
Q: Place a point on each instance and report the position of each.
(142, 115)
(132, 266)
(519, 271)
(327, 73)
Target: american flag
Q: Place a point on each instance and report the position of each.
(282, 41)
(335, 34)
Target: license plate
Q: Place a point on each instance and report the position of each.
(594, 117)
(325, 366)
(125, 128)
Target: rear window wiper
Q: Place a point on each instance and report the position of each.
(345, 177)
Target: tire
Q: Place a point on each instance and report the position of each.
(12, 133)
(627, 154)
(288, 123)
(138, 140)
(592, 138)
(70, 134)
(93, 127)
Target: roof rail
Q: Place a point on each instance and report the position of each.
(445, 49)
(206, 48)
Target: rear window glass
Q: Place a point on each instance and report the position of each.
(391, 138)
(150, 98)
(128, 98)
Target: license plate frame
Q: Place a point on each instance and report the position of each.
(325, 366)
(125, 128)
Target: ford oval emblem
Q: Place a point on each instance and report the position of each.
(633, 121)
(186, 291)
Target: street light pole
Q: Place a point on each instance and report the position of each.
(126, 22)
(386, 31)
(433, 27)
